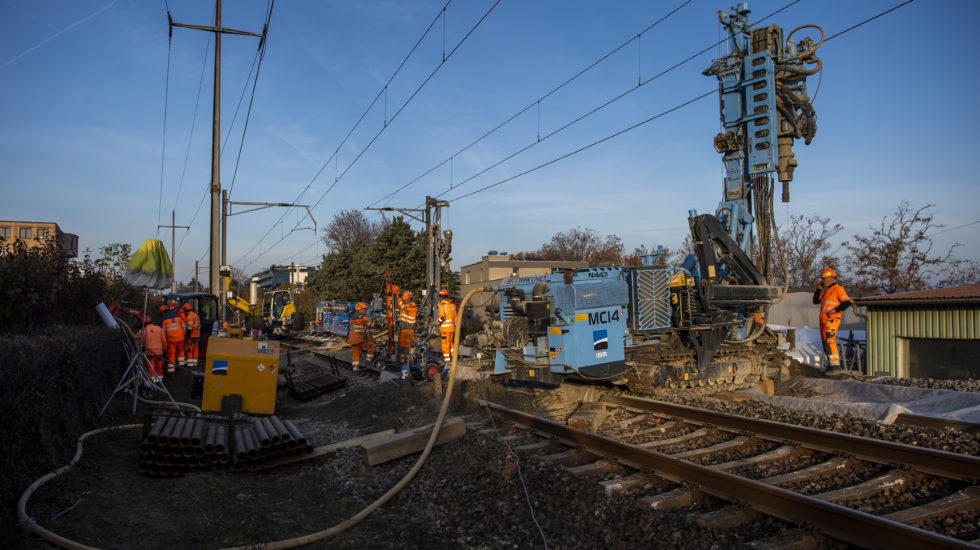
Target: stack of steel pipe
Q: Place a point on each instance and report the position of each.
(267, 440)
(176, 445)
(308, 387)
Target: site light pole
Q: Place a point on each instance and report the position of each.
(226, 211)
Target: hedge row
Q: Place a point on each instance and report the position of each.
(54, 385)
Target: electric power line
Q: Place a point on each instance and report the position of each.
(534, 103)
(597, 142)
(589, 146)
(640, 84)
(337, 178)
(953, 228)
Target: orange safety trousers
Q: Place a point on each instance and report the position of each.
(446, 336)
(405, 338)
(828, 334)
(191, 351)
(155, 366)
(368, 348)
(175, 355)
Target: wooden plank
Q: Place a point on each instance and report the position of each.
(326, 449)
(696, 434)
(406, 443)
(613, 486)
(817, 470)
(776, 454)
(894, 478)
(736, 443)
(768, 386)
(678, 498)
(965, 499)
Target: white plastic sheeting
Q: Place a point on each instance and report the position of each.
(809, 348)
(881, 402)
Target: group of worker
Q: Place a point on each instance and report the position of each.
(174, 343)
(405, 310)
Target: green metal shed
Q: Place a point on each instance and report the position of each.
(925, 334)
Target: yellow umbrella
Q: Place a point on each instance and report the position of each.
(150, 266)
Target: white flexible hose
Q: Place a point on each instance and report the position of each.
(26, 520)
(354, 520)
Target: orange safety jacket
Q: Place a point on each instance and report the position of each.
(409, 311)
(359, 326)
(447, 315)
(155, 340)
(831, 298)
(192, 321)
(173, 325)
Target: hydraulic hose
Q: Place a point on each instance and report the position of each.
(26, 520)
(354, 520)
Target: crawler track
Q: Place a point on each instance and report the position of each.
(817, 479)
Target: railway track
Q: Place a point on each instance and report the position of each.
(864, 492)
(324, 363)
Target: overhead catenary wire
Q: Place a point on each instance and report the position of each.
(357, 124)
(163, 153)
(197, 106)
(340, 176)
(622, 95)
(535, 103)
(552, 161)
(669, 69)
(256, 67)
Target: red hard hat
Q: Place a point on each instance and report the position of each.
(443, 292)
(829, 272)
(173, 306)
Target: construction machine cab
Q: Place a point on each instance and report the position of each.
(204, 304)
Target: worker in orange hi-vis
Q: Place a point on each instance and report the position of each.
(173, 325)
(359, 336)
(446, 311)
(406, 324)
(192, 324)
(154, 346)
(833, 301)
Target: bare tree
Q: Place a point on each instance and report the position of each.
(580, 245)
(348, 227)
(897, 256)
(806, 249)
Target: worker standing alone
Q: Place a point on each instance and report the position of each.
(192, 323)
(173, 325)
(154, 346)
(406, 323)
(833, 301)
(446, 311)
(359, 336)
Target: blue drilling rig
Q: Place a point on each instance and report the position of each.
(702, 321)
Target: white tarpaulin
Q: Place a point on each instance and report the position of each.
(881, 402)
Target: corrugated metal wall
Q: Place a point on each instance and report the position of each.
(887, 324)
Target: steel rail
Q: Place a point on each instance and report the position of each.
(832, 520)
(940, 463)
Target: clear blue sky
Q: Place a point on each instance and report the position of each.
(82, 119)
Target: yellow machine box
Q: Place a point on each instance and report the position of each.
(241, 375)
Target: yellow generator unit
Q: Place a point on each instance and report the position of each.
(241, 375)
